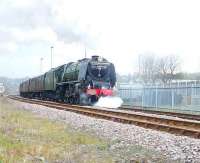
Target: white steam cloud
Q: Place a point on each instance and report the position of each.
(109, 102)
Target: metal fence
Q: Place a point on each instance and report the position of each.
(2, 89)
(185, 97)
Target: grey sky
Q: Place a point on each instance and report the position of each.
(118, 30)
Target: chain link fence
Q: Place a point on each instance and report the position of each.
(181, 96)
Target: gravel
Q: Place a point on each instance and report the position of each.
(177, 148)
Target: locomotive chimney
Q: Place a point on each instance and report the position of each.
(95, 57)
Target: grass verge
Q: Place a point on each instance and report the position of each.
(25, 137)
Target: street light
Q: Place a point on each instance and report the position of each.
(41, 59)
(85, 53)
(51, 56)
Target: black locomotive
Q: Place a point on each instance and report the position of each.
(81, 82)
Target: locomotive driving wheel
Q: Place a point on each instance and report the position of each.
(83, 99)
(66, 100)
(77, 100)
(71, 100)
(59, 94)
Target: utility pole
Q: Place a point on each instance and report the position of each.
(139, 62)
(41, 64)
(85, 53)
(51, 56)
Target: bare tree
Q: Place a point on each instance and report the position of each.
(163, 69)
(147, 68)
(167, 67)
(174, 65)
(152, 69)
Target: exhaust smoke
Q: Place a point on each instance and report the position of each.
(109, 102)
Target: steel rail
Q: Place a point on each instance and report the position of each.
(175, 126)
(158, 111)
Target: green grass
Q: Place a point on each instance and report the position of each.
(25, 137)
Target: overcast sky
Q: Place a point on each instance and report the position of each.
(119, 30)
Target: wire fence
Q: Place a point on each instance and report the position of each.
(181, 96)
(2, 89)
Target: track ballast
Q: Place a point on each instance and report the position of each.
(175, 126)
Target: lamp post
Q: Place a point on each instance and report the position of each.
(51, 56)
(41, 59)
(85, 53)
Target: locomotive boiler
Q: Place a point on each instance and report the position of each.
(81, 82)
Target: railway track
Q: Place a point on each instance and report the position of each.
(159, 112)
(175, 126)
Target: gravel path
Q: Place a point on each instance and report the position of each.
(177, 148)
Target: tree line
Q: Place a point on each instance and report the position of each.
(154, 69)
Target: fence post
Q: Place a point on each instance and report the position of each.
(172, 94)
(156, 97)
(143, 97)
(186, 94)
(195, 88)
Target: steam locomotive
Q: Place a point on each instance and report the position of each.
(81, 82)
